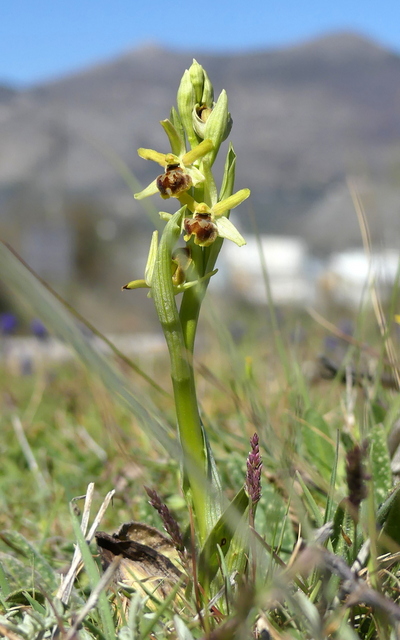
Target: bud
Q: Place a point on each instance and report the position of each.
(196, 73)
(208, 91)
(200, 115)
(181, 261)
(186, 100)
(218, 124)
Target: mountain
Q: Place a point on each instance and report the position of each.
(304, 117)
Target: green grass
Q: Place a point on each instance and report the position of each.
(78, 433)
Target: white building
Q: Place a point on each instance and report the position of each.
(283, 259)
(349, 276)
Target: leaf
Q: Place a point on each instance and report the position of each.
(222, 534)
(272, 521)
(388, 516)
(44, 573)
(182, 631)
(214, 495)
(380, 463)
(310, 502)
(318, 441)
(337, 526)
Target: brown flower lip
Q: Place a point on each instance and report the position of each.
(173, 181)
(202, 227)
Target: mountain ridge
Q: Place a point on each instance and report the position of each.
(304, 117)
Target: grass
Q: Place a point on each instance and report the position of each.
(78, 434)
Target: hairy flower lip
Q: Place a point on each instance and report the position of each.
(225, 228)
(169, 161)
(201, 226)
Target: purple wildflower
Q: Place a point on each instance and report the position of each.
(38, 329)
(8, 323)
(356, 475)
(170, 524)
(253, 475)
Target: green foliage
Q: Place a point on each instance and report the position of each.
(380, 463)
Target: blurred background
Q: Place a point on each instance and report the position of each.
(314, 92)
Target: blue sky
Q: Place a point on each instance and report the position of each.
(44, 39)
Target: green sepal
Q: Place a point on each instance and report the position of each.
(228, 230)
(150, 190)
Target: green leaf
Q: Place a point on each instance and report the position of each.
(310, 502)
(337, 527)
(222, 534)
(182, 631)
(318, 442)
(388, 516)
(272, 521)
(4, 584)
(214, 493)
(44, 572)
(380, 463)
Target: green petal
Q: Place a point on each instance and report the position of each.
(150, 154)
(230, 203)
(197, 152)
(148, 191)
(136, 284)
(228, 230)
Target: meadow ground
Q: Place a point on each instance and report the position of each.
(62, 429)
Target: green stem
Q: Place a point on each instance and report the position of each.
(189, 315)
(189, 425)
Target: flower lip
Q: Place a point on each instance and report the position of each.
(182, 164)
(201, 226)
(173, 182)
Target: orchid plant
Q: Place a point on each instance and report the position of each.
(195, 132)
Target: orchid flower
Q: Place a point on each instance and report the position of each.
(179, 172)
